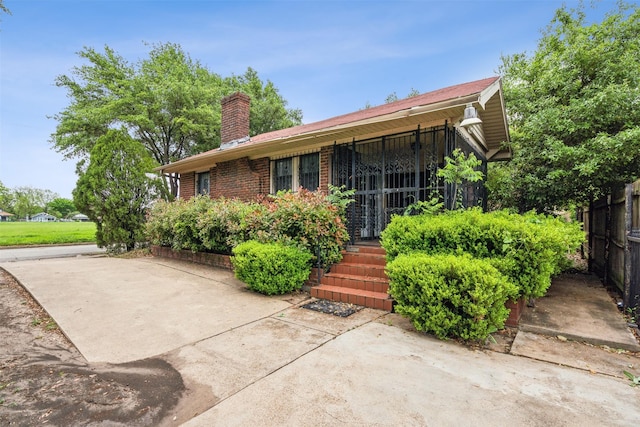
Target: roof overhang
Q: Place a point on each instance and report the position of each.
(489, 137)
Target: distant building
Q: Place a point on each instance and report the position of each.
(5, 216)
(43, 217)
(80, 217)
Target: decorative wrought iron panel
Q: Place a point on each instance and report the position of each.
(392, 172)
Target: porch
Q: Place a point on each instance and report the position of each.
(391, 172)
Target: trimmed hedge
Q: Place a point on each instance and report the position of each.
(271, 268)
(450, 295)
(528, 249)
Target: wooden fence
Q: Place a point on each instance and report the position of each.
(612, 225)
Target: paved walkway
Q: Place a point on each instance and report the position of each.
(9, 253)
(579, 308)
(248, 359)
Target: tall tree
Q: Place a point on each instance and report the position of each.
(268, 108)
(168, 102)
(573, 109)
(4, 8)
(28, 201)
(116, 189)
(60, 207)
(6, 198)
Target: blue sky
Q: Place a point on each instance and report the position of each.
(326, 57)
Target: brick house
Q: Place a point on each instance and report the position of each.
(389, 154)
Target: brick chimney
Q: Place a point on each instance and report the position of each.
(234, 128)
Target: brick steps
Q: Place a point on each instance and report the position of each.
(351, 281)
(359, 279)
(377, 300)
(354, 269)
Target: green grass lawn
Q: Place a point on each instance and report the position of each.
(46, 233)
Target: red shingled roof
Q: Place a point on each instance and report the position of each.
(454, 96)
(445, 94)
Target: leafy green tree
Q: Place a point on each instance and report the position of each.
(61, 207)
(28, 201)
(458, 169)
(268, 108)
(4, 8)
(168, 102)
(393, 97)
(574, 110)
(116, 189)
(6, 198)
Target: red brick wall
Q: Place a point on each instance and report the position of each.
(241, 178)
(325, 170)
(235, 117)
(187, 185)
(245, 179)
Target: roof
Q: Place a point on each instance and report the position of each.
(428, 109)
(3, 213)
(39, 214)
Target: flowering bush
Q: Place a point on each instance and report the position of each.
(304, 219)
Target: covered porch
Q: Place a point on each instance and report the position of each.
(391, 172)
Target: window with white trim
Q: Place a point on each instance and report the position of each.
(294, 172)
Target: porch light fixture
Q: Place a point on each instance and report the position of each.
(470, 117)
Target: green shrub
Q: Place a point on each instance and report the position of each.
(227, 223)
(449, 295)
(271, 268)
(528, 249)
(175, 223)
(305, 219)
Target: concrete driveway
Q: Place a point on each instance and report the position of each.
(9, 253)
(248, 359)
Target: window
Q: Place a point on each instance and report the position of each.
(202, 183)
(309, 175)
(283, 175)
(295, 172)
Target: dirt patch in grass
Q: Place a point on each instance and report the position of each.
(44, 379)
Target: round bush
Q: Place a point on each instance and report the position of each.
(271, 268)
(449, 295)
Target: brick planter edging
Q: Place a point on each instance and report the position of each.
(212, 260)
(216, 260)
(516, 308)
